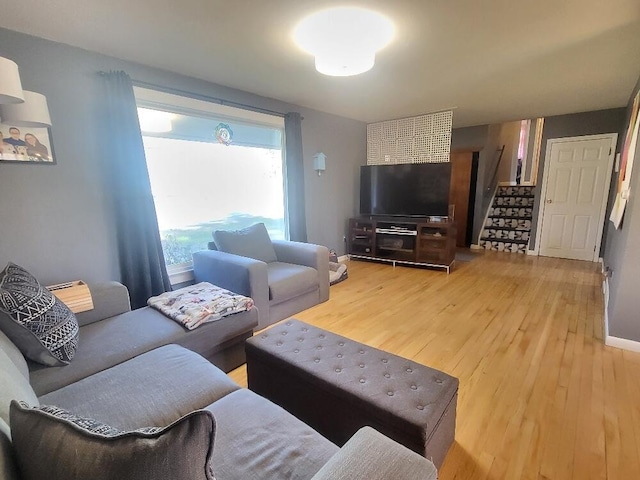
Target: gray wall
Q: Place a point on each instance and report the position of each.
(622, 257)
(469, 137)
(573, 125)
(333, 197)
(56, 220)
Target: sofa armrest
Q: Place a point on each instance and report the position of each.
(369, 455)
(109, 299)
(242, 275)
(308, 254)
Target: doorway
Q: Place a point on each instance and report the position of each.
(462, 193)
(575, 188)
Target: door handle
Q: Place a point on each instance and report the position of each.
(549, 201)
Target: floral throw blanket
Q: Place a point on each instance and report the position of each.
(200, 303)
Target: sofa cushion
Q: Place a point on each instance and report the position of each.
(256, 439)
(109, 299)
(51, 444)
(40, 325)
(9, 348)
(369, 455)
(252, 242)
(117, 339)
(155, 388)
(287, 281)
(8, 467)
(13, 386)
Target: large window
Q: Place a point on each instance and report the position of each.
(211, 168)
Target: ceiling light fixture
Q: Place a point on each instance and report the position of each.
(344, 40)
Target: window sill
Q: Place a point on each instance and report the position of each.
(180, 273)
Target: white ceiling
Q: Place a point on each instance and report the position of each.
(491, 60)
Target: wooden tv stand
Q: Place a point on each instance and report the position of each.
(414, 241)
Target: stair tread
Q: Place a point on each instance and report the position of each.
(505, 240)
(508, 229)
(512, 217)
(506, 195)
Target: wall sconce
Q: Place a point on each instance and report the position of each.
(33, 112)
(319, 162)
(10, 86)
(20, 107)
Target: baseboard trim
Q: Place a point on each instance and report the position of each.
(532, 252)
(605, 317)
(622, 343)
(473, 246)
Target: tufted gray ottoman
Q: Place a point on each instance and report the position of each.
(337, 386)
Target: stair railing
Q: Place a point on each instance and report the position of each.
(490, 189)
(494, 178)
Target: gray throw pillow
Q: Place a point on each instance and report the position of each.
(252, 242)
(52, 443)
(39, 324)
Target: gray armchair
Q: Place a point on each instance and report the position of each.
(297, 279)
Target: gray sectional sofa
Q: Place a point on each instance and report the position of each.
(132, 370)
(111, 333)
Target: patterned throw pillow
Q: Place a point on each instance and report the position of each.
(87, 424)
(39, 324)
(52, 443)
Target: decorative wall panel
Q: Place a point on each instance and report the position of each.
(421, 139)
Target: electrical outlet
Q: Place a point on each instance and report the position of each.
(387, 158)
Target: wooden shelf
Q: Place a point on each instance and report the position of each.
(393, 249)
(75, 295)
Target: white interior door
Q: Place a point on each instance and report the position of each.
(575, 190)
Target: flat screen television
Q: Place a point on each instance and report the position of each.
(417, 189)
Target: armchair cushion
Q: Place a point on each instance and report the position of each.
(310, 255)
(287, 281)
(252, 242)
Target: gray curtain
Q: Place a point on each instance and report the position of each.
(295, 177)
(142, 265)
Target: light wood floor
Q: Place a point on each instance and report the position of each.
(540, 396)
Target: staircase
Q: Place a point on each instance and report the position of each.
(508, 225)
